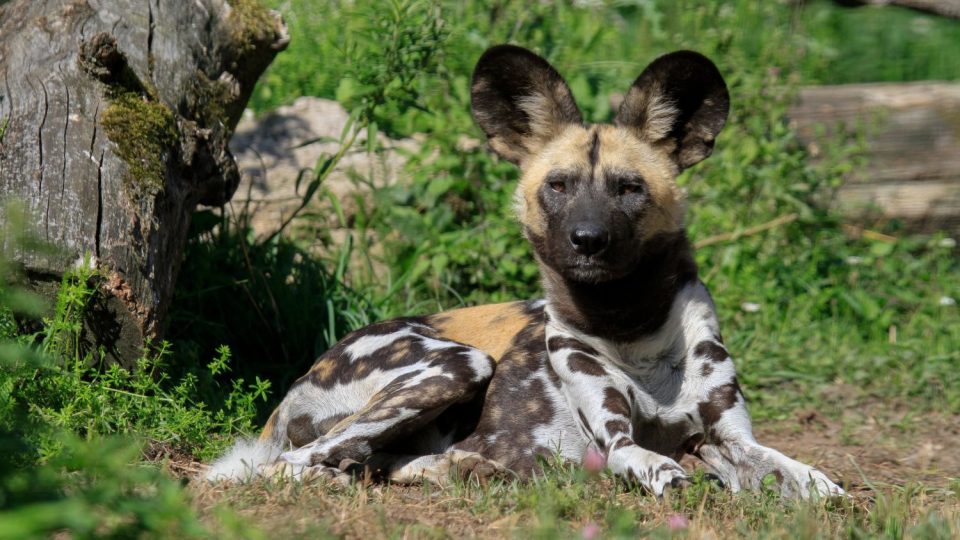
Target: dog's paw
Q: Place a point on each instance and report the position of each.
(794, 479)
(654, 472)
(469, 465)
(804, 482)
(283, 470)
(669, 475)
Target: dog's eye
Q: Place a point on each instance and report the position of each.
(559, 186)
(627, 189)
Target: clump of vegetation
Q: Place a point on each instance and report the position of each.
(91, 489)
(145, 133)
(208, 99)
(74, 433)
(299, 305)
(71, 393)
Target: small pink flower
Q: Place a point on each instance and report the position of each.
(590, 531)
(677, 522)
(594, 460)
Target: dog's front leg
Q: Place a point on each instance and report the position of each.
(603, 401)
(730, 450)
(742, 463)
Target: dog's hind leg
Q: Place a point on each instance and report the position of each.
(436, 469)
(445, 374)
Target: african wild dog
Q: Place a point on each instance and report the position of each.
(625, 353)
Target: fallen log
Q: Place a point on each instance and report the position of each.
(118, 115)
(912, 135)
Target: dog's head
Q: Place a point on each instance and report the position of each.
(590, 196)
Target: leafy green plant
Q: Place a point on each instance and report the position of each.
(62, 469)
(276, 305)
(144, 401)
(62, 333)
(92, 489)
(71, 392)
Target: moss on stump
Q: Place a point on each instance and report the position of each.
(145, 133)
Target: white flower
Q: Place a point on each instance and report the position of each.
(88, 262)
(853, 260)
(750, 307)
(947, 242)
(947, 301)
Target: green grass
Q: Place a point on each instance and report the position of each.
(905, 45)
(850, 325)
(567, 503)
(823, 319)
(74, 433)
(827, 44)
(275, 304)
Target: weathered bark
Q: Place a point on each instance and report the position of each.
(912, 133)
(119, 114)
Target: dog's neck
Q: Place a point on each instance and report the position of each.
(632, 307)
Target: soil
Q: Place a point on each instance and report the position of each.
(875, 444)
(867, 448)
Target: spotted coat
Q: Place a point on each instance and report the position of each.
(624, 356)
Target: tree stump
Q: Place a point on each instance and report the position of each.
(115, 118)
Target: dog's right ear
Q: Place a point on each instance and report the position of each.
(520, 101)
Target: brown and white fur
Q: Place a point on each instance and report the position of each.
(624, 355)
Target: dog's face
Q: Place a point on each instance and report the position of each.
(590, 196)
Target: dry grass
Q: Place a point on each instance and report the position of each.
(898, 466)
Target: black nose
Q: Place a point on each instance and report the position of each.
(589, 239)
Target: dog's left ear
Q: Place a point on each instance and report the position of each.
(679, 101)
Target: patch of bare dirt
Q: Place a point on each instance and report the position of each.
(173, 460)
(873, 443)
(376, 511)
(867, 447)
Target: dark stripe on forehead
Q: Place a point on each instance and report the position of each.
(594, 155)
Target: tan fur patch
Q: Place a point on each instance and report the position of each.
(621, 149)
(490, 328)
(323, 370)
(547, 118)
(653, 111)
(567, 151)
(345, 423)
(270, 426)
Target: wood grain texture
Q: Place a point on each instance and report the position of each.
(197, 60)
(912, 132)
